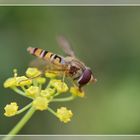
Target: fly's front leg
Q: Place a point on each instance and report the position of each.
(64, 75)
(75, 84)
(63, 78)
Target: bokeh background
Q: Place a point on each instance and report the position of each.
(106, 38)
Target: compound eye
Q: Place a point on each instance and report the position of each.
(85, 77)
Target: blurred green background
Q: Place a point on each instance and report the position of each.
(106, 38)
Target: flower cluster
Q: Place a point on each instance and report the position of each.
(42, 90)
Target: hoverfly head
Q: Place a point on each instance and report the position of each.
(86, 77)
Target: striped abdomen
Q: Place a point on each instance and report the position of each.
(46, 55)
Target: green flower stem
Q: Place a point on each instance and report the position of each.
(20, 124)
(63, 99)
(40, 86)
(20, 92)
(35, 82)
(56, 94)
(23, 88)
(24, 109)
(48, 86)
(53, 112)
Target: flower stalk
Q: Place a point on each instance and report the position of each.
(20, 124)
(66, 99)
(31, 86)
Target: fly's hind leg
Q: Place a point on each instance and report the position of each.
(30, 78)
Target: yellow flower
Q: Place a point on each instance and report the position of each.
(17, 81)
(59, 85)
(51, 74)
(10, 82)
(64, 114)
(47, 92)
(33, 72)
(40, 103)
(11, 109)
(32, 91)
(23, 81)
(41, 80)
(75, 91)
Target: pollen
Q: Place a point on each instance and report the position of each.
(33, 72)
(40, 103)
(32, 91)
(11, 109)
(76, 92)
(59, 85)
(64, 114)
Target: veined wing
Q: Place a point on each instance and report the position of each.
(65, 45)
(44, 65)
(39, 63)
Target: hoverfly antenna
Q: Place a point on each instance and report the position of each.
(94, 80)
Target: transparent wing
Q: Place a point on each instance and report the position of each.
(44, 65)
(39, 63)
(65, 45)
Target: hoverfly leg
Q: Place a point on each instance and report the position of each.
(31, 78)
(80, 88)
(35, 76)
(63, 78)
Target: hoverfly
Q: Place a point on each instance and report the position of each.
(69, 66)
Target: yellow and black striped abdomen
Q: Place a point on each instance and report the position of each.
(46, 55)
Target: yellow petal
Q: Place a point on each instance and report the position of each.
(10, 82)
(47, 92)
(23, 81)
(40, 103)
(33, 72)
(51, 74)
(64, 114)
(76, 92)
(59, 85)
(11, 109)
(32, 91)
